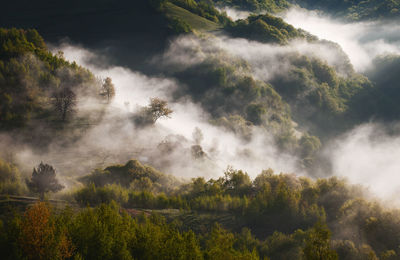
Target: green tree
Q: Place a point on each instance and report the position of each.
(317, 245)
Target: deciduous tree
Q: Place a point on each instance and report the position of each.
(108, 89)
(64, 102)
(155, 110)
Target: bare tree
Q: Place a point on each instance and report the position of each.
(64, 102)
(108, 89)
(44, 180)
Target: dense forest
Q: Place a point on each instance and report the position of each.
(166, 129)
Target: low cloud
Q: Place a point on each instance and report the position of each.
(368, 155)
(234, 14)
(112, 137)
(361, 41)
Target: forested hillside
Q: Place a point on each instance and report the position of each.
(166, 129)
(32, 77)
(356, 9)
(353, 10)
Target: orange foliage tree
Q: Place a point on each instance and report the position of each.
(39, 237)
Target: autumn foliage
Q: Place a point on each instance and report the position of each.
(39, 237)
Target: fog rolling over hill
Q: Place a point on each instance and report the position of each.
(361, 41)
(199, 129)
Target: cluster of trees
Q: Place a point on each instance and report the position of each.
(203, 8)
(278, 209)
(133, 174)
(279, 216)
(108, 232)
(180, 23)
(10, 179)
(265, 28)
(271, 6)
(319, 96)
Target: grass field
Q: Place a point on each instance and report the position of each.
(196, 22)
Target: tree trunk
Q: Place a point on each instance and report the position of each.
(41, 196)
(64, 115)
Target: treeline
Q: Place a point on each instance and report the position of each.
(265, 28)
(271, 205)
(271, 6)
(280, 216)
(108, 232)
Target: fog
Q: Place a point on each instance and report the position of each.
(364, 155)
(368, 155)
(222, 147)
(233, 13)
(166, 146)
(361, 41)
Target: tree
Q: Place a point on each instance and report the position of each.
(158, 108)
(254, 113)
(44, 180)
(317, 245)
(108, 89)
(64, 102)
(39, 238)
(155, 110)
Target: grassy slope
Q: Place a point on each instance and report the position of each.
(196, 22)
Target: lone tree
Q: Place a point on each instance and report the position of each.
(64, 102)
(155, 110)
(44, 180)
(108, 89)
(158, 108)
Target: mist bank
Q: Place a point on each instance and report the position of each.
(222, 147)
(361, 41)
(368, 155)
(171, 144)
